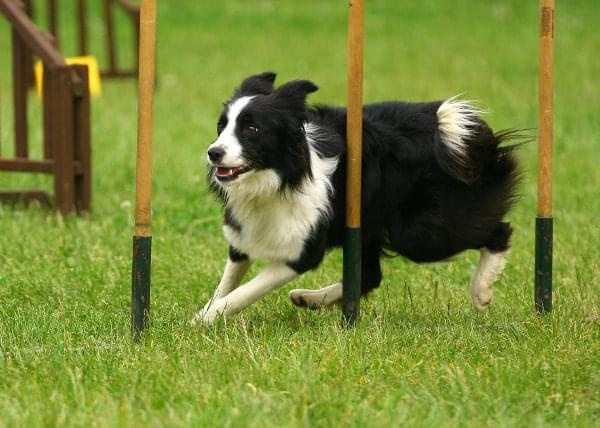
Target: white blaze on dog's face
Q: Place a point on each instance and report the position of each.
(226, 152)
(261, 135)
(226, 155)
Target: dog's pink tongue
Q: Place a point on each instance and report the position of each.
(222, 171)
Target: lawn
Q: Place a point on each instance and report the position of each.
(421, 355)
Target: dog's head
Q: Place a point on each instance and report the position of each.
(261, 134)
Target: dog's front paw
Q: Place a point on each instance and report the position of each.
(206, 316)
(203, 318)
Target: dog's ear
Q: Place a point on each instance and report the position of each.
(296, 90)
(258, 84)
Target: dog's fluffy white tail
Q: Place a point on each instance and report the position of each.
(455, 121)
(460, 137)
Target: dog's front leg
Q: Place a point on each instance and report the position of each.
(234, 272)
(273, 276)
(232, 277)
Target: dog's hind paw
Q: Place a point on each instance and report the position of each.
(314, 299)
(491, 264)
(299, 297)
(482, 298)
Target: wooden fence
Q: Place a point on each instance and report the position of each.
(66, 116)
(112, 68)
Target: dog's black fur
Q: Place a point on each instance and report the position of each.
(419, 199)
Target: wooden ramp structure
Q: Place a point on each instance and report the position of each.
(66, 117)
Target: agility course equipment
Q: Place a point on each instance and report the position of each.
(352, 246)
(142, 239)
(352, 243)
(66, 117)
(66, 136)
(543, 222)
(132, 11)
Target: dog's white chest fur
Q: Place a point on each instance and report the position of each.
(272, 229)
(274, 224)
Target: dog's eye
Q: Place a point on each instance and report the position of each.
(250, 131)
(220, 127)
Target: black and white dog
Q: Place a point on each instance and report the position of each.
(435, 182)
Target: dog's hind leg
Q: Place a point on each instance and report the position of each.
(491, 264)
(371, 267)
(314, 299)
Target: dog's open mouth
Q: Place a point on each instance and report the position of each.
(227, 174)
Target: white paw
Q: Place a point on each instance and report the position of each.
(302, 298)
(314, 299)
(482, 298)
(206, 316)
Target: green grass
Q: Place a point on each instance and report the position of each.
(420, 356)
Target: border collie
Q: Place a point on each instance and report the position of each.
(435, 182)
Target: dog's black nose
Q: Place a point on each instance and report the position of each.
(215, 154)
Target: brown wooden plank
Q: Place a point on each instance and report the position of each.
(28, 7)
(29, 57)
(45, 166)
(113, 70)
(127, 6)
(63, 146)
(47, 119)
(24, 196)
(83, 182)
(136, 22)
(20, 88)
(78, 87)
(119, 73)
(27, 165)
(110, 36)
(30, 34)
(53, 20)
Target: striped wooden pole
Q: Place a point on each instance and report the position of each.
(352, 244)
(543, 224)
(142, 239)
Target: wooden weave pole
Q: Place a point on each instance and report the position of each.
(543, 229)
(352, 244)
(142, 239)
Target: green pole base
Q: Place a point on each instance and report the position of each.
(352, 275)
(140, 285)
(543, 264)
